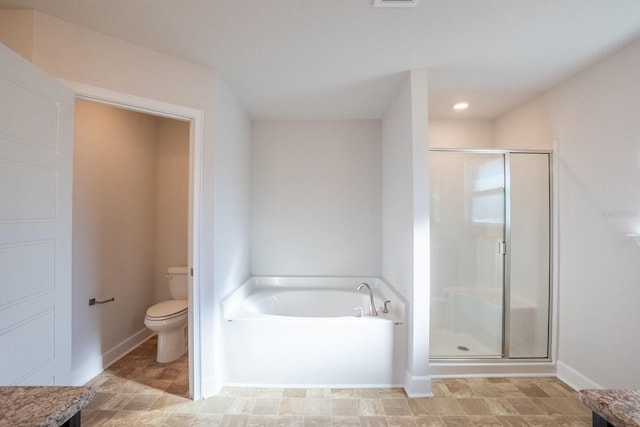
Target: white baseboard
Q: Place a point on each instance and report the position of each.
(417, 386)
(99, 363)
(574, 378)
(211, 387)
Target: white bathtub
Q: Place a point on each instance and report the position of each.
(304, 332)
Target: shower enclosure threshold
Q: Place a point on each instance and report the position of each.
(493, 367)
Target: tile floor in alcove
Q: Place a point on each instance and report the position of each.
(138, 391)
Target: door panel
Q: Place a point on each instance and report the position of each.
(529, 256)
(30, 264)
(36, 200)
(36, 114)
(16, 121)
(467, 262)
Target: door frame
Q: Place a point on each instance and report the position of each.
(196, 142)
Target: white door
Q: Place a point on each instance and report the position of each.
(36, 160)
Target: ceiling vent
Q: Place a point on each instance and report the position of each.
(395, 3)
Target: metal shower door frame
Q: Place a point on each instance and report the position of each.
(506, 294)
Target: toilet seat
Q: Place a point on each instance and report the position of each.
(167, 309)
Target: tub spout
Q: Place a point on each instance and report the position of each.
(372, 306)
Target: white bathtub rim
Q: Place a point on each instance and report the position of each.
(250, 316)
(306, 292)
(231, 305)
(314, 281)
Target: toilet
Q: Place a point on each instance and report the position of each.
(169, 318)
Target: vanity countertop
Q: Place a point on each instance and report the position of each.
(618, 407)
(41, 406)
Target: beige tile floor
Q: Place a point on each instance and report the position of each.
(138, 391)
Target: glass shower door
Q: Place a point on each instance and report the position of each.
(529, 256)
(467, 254)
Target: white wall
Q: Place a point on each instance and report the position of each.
(228, 222)
(405, 219)
(16, 31)
(77, 54)
(114, 185)
(460, 133)
(527, 127)
(316, 198)
(397, 196)
(172, 200)
(594, 118)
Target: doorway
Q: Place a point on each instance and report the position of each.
(190, 123)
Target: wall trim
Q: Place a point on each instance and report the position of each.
(212, 386)
(417, 386)
(574, 378)
(98, 364)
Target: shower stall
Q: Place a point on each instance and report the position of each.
(490, 255)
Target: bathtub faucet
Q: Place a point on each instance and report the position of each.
(372, 306)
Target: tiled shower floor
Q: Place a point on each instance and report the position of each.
(137, 391)
(450, 344)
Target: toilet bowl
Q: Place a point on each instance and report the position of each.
(169, 318)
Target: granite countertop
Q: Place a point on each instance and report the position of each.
(41, 406)
(619, 407)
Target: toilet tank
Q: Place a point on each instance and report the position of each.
(178, 282)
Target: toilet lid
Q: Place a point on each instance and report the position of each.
(167, 308)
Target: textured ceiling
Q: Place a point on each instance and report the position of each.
(288, 59)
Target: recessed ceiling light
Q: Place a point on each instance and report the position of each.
(462, 105)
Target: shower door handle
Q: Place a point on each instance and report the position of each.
(502, 248)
